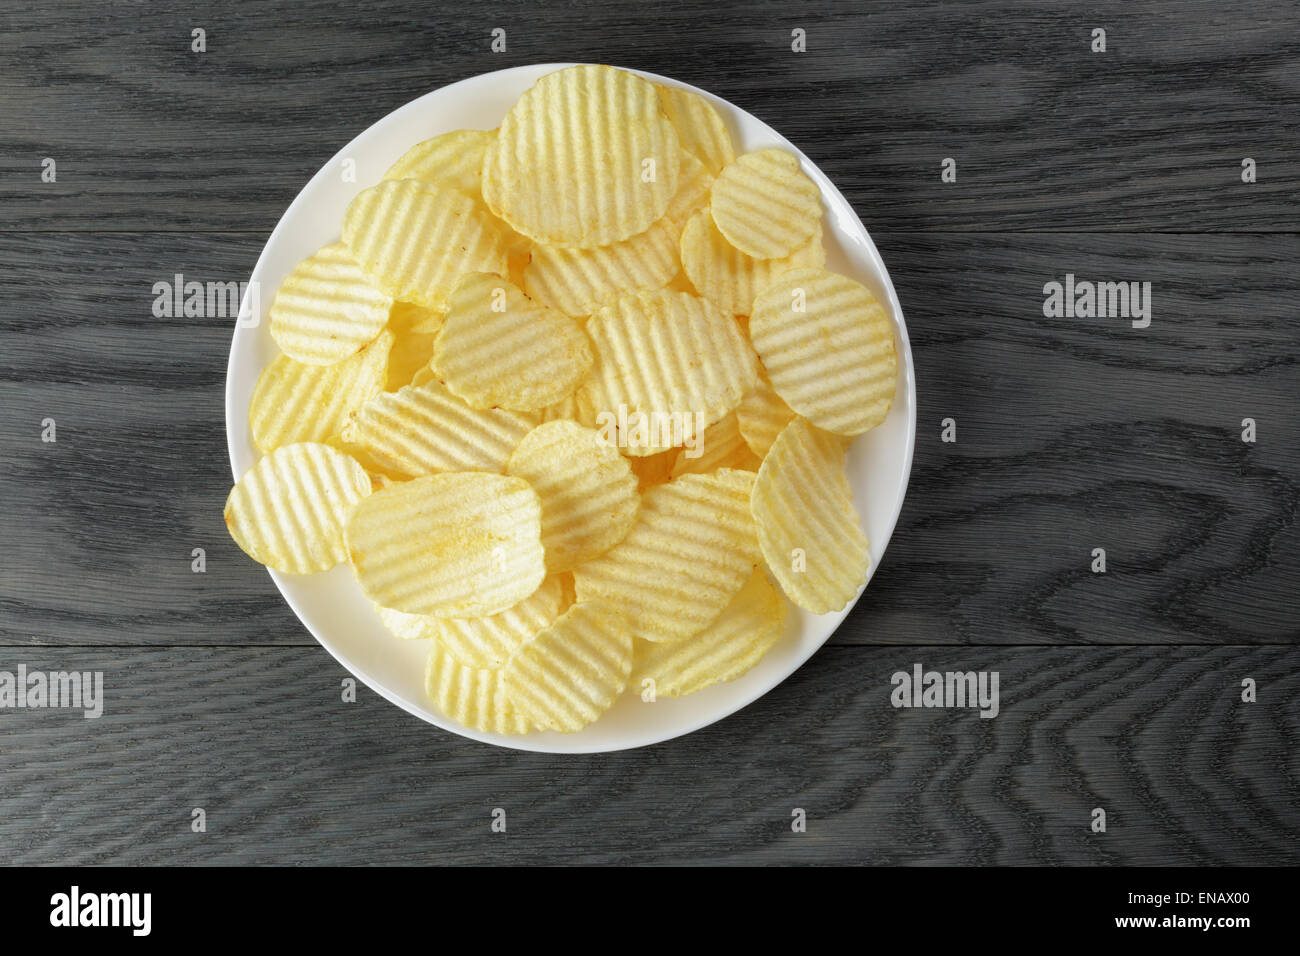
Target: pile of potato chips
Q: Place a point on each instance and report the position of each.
(572, 398)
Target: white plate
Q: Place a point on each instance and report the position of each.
(332, 606)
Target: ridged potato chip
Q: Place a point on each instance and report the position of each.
(721, 446)
(691, 548)
(326, 310)
(764, 205)
(762, 414)
(726, 276)
(810, 535)
(453, 159)
(288, 510)
(579, 281)
(293, 402)
(668, 364)
(693, 184)
(828, 347)
(425, 429)
(585, 158)
(409, 627)
(737, 639)
(415, 240)
(566, 409)
(489, 642)
(456, 545)
(472, 696)
(499, 348)
(412, 350)
(570, 673)
(588, 491)
(699, 126)
(651, 470)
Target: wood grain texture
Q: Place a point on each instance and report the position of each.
(1047, 135)
(288, 773)
(1071, 434)
(1119, 690)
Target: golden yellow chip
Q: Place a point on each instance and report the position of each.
(412, 350)
(566, 409)
(578, 281)
(721, 446)
(453, 159)
(668, 364)
(490, 641)
(699, 127)
(425, 429)
(409, 627)
(762, 414)
(326, 310)
(288, 510)
(584, 158)
(452, 545)
(588, 491)
(687, 555)
(694, 183)
(764, 205)
(569, 674)
(651, 470)
(726, 276)
(736, 640)
(293, 402)
(811, 537)
(415, 240)
(472, 696)
(498, 348)
(828, 347)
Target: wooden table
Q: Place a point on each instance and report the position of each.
(1120, 690)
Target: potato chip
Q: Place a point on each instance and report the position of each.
(326, 310)
(425, 429)
(412, 350)
(571, 672)
(288, 510)
(472, 696)
(737, 639)
(588, 491)
(699, 126)
(762, 414)
(651, 470)
(458, 545)
(764, 205)
(579, 281)
(566, 409)
(667, 365)
(721, 446)
(415, 240)
(489, 642)
(409, 627)
(828, 347)
(584, 158)
(453, 159)
(726, 276)
(498, 348)
(811, 537)
(690, 550)
(693, 184)
(293, 402)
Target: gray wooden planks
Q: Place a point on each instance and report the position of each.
(286, 772)
(1149, 135)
